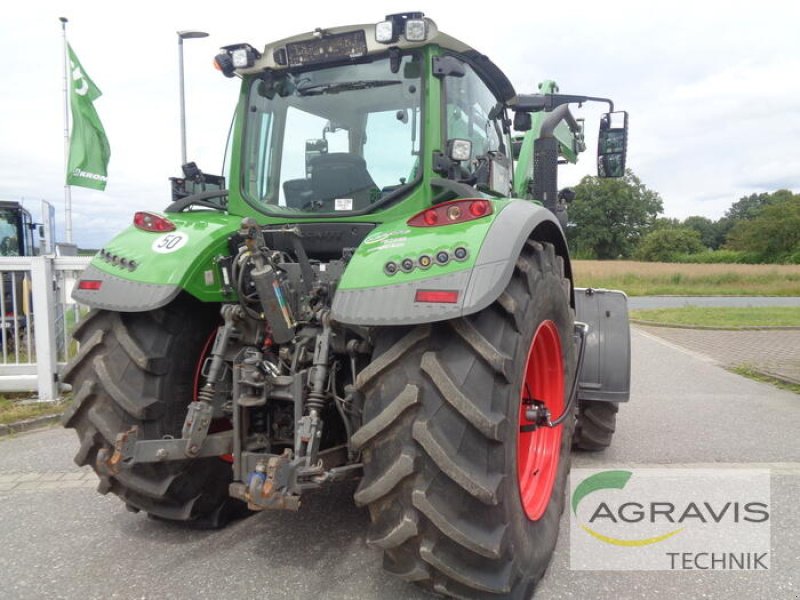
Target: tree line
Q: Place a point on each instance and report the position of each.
(622, 219)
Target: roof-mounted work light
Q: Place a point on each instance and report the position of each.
(411, 25)
(236, 56)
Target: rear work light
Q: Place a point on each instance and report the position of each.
(151, 222)
(455, 211)
(437, 296)
(90, 284)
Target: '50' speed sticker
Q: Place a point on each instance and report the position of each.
(169, 242)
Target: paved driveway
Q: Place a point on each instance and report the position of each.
(773, 352)
(59, 539)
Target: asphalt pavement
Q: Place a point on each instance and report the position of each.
(60, 539)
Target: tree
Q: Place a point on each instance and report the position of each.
(609, 216)
(665, 244)
(774, 234)
(710, 231)
(665, 223)
(746, 207)
(749, 207)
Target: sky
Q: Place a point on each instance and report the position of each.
(713, 89)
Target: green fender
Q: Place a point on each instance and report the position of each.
(369, 296)
(140, 270)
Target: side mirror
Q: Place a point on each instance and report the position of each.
(612, 144)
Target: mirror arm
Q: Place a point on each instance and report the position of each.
(548, 102)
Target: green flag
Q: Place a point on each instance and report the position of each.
(88, 147)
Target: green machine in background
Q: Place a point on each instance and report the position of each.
(378, 288)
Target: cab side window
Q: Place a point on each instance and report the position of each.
(468, 105)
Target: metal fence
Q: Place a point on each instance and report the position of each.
(37, 316)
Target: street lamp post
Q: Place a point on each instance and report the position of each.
(184, 35)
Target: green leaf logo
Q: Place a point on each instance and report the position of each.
(599, 481)
(606, 480)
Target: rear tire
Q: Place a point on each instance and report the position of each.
(441, 437)
(138, 369)
(597, 422)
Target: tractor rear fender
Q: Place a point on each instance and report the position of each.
(142, 270)
(479, 283)
(606, 372)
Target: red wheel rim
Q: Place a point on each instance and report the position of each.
(538, 451)
(201, 361)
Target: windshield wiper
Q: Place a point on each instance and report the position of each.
(345, 86)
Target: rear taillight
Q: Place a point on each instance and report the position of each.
(89, 284)
(455, 211)
(437, 296)
(151, 222)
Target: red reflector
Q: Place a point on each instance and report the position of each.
(151, 222)
(89, 284)
(430, 217)
(455, 211)
(438, 296)
(479, 208)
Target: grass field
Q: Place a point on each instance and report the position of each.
(12, 411)
(655, 279)
(733, 318)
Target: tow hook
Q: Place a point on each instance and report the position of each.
(109, 463)
(267, 486)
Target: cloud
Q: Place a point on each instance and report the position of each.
(712, 92)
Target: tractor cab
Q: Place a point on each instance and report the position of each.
(16, 230)
(350, 121)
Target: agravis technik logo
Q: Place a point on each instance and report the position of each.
(664, 518)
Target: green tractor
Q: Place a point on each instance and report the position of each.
(382, 291)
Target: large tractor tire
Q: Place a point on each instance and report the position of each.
(140, 369)
(597, 422)
(461, 500)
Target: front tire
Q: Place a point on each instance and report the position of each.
(597, 422)
(138, 369)
(460, 500)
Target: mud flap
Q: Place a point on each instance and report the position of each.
(606, 372)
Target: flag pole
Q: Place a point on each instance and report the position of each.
(67, 189)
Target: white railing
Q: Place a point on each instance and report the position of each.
(37, 315)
